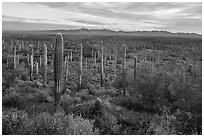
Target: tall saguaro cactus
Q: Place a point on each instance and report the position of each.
(95, 59)
(66, 69)
(14, 58)
(28, 60)
(36, 65)
(105, 60)
(12, 44)
(135, 71)
(65, 61)
(40, 61)
(31, 66)
(58, 67)
(44, 65)
(71, 56)
(124, 69)
(115, 63)
(102, 69)
(135, 66)
(80, 66)
(92, 54)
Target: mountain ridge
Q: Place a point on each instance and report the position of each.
(107, 32)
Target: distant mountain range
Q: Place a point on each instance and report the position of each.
(105, 32)
(84, 31)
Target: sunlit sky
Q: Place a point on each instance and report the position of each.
(126, 16)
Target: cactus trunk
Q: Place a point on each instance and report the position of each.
(58, 67)
(102, 73)
(31, 67)
(66, 70)
(80, 67)
(71, 56)
(28, 60)
(124, 70)
(14, 58)
(105, 60)
(115, 63)
(36, 65)
(95, 59)
(86, 63)
(7, 62)
(135, 71)
(92, 54)
(44, 65)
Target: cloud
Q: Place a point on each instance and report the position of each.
(115, 16)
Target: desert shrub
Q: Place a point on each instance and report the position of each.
(21, 71)
(41, 97)
(118, 82)
(33, 108)
(86, 79)
(8, 77)
(14, 122)
(188, 123)
(162, 124)
(119, 61)
(107, 124)
(17, 122)
(13, 100)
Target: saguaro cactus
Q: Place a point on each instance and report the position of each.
(102, 71)
(31, 66)
(28, 60)
(58, 67)
(105, 60)
(7, 62)
(14, 58)
(71, 56)
(44, 65)
(135, 71)
(36, 68)
(12, 44)
(135, 66)
(80, 66)
(66, 70)
(92, 54)
(115, 63)
(95, 59)
(65, 61)
(124, 69)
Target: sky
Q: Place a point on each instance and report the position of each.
(125, 16)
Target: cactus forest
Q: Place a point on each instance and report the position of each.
(101, 68)
(114, 85)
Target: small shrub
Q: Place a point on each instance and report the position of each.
(13, 100)
(17, 122)
(162, 125)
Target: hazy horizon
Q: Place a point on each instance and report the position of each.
(183, 17)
